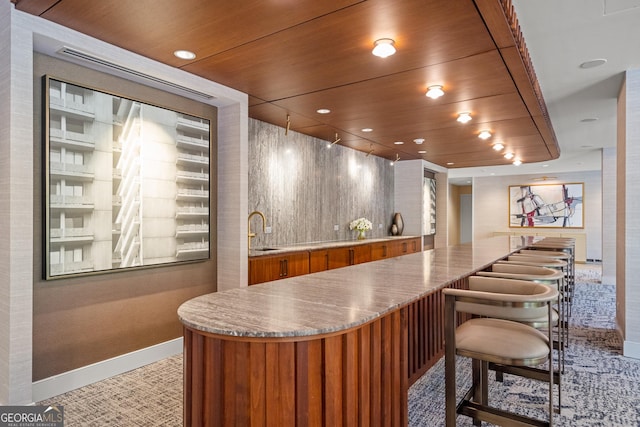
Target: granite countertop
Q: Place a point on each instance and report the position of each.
(339, 299)
(277, 249)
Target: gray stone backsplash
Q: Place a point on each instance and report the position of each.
(305, 188)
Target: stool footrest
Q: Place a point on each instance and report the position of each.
(497, 416)
(527, 372)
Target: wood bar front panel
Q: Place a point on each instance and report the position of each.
(425, 319)
(347, 379)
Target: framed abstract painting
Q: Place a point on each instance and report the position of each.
(546, 205)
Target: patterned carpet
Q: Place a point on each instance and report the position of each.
(600, 387)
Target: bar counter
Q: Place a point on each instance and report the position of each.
(339, 347)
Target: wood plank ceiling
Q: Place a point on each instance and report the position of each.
(294, 57)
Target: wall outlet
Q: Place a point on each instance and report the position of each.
(336, 227)
(267, 230)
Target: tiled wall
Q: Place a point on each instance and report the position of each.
(305, 188)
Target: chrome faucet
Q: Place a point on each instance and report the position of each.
(264, 226)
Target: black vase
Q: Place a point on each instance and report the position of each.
(398, 222)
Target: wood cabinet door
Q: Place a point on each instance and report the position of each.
(361, 253)
(339, 257)
(343, 257)
(318, 260)
(380, 250)
(295, 265)
(405, 246)
(264, 269)
(267, 268)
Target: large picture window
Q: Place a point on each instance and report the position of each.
(126, 182)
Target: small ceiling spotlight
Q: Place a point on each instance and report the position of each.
(593, 63)
(435, 91)
(367, 130)
(509, 155)
(517, 162)
(485, 134)
(184, 54)
(422, 152)
(383, 48)
(323, 111)
(418, 140)
(398, 142)
(498, 146)
(464, 117)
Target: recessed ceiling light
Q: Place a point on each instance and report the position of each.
(435, 91)
(383, 48)
(464, 117)
(497, 146)
(485, 134)
(418, 140)
(323, 111)
(509, 155)
(399, 142)
(367, 130)
(184, 54)
(450, 163)
(593, 63)
(421, 152)
(589, 119)
(517, 162)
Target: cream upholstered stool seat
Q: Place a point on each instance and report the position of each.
(500, 341)
(535, 317)
(549, 277)
(559, 244)
(559, 263)
(562, 253)
(544, 253)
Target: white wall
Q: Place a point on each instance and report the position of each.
(491, 205)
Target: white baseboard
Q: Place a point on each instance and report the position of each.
(62, 383)
(608, 280)
(631, 349)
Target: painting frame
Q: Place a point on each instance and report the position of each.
(126, 182)
(547, 205)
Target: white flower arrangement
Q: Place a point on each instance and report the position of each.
(360, 224)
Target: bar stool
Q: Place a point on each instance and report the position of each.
(548, 277)
(564, 245)
(565, 256)
(553, 263)
(489, 340)
(560, 261)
